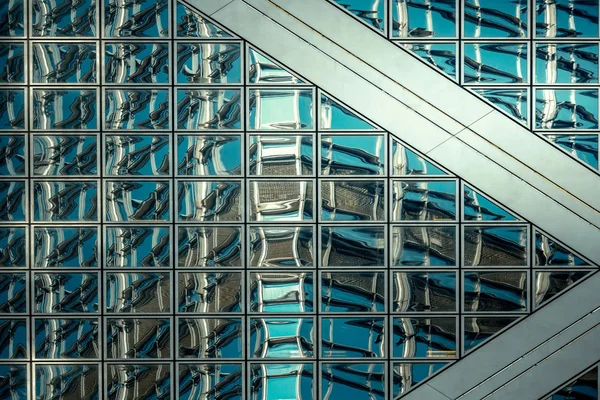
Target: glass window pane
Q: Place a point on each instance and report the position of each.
(137, 292)
(197, 381)
(13, 293)
(478, 207)
(204, 155)
(487, 63)
(281, 292)
(566, 109)
(281, 155)
(582, 147)
(431, 337)
(550, 253)
(352, 246)
(12, 59)
(138, 338)
(353, 337)
(13, 245)
(354, 381)
(424, 291)
(12, 109)
(136, 109)
(15, 338)
(424, 19)
(281, 337)
(440, 55)
(62, 247)
(128, 201)
(65, 155)
(12, 18)
(285, 381)
(281, 246)
(209, 292)
(65, 201)
(549, 284)
(495, 291)
(424, 201)
(495, 18)
(135, 247)
(264, 70)
(352, 155)
(72, 292)
(511, 101)
(495, 246)
(210, 338)
(155, 378)
(281, 201)
(565, 18)
(424, 246)
(336, 116)
(208, 109)
(356, 291)
(209, 201)
(144, 18)
(202, 246)
(206, 63)
(136, 63)
(480, 329)
(405, 375)
(191, 24)
(82, 379)
(13, 160)
(67, 338)
(64, 18)
(407, 162)
(271, 109)
(64, 109)
(566, 63)
(353, 200)
(369, 11)
(64, 63)
(137, 155)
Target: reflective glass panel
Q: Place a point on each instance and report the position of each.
(278, 109)
(281, 292)
(210, 338)
(64, 63)
(12, 18)
(264, 70)
(64, 18)
(82, 379)
(13, 160)
(128, 201)
(550, 253)
(202, 246)
(585, 386)
(12, 57)
(65, 201)
(281, 155)
(209, 292)
(275, 201)
(138, 338)
(352, 291)
(352, 155)
(194, 25)
(424, 201)
(478, 207)
(565, 18)
(424, 292)
(137, 109)
(549, 284)
(583, 147)
(12, 201)
(495, 18)
(138, 380)
(369, 11)
(353, 200)
(281, 246)
(354, 381)
(494, 246)
(407, 162)
(136, 63)
(352, 246)
(137, 246)
(566, 109)
(137, 155)
(486, 63)
(424, 18)
(440, 55)
(13, 293)
(13, 242)
(12, 109)
(511, 101)
(62, 247)
(67, 338)
(143, 18)
(282, 381)
(209, 201)
(281, 338)
(206, 63)
(203, 155)
(208, 109)
(14, 343)
(334, 115)
(67, 292)
(495, 291)
(137, 292)
(65, 155)
(201, 381)
(431, 337)
(406, 375)
(480, 329)
(424, 246)
(64, 109)
(566, 63)
(358, 337)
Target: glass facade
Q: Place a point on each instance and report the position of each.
(536, 60)
(181, 216)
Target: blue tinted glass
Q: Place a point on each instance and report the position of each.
(279, 109)
(431, 337)
(65, 247)
(192, 24)
(281, 338)
(137, 200)
(12, 109)
(352, 155)
(13, 293)
(64, 63)
(550, 253)
(65, 155)
(495, 18)
(137, 155)
(352, 337)
(495, 291)
(477, 330)
(371, 12)
(66, 293)
(209, 109)
(63, 339)
(12, 67)
(511, 101)
(281, 292)
(82, 379)
(264, 70)
(354, 291)
(353, 200)
(12, 18)
(424, 246)
(566, 109)
(209, 201)
(155, 378)
(202, 380)
(202, 338)
(64, 18)
(209, 292)
(17, 375)
(282, 381)
(354, 381)
(12, 155)
(209, 246)
(334, 115)
(138, 338)
(566, 63)
(136, 63)
(135, 109)
(495, 246)
(12, 247)
(352, 246)
(281, 155)
(407, 162)
(424, 200)
(205, 63)
(136, 246)
(65, 201)
(203, 155)
(142, 18)
(424, 18)
(440, 55)
(137, 292)
(64, 109)
(478, 207)
(12, 201)
(424, 292)
(486, 63)
(567, 18)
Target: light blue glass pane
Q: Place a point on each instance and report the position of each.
(265, 71)
(63, 63)
(407, 162)
(137, 155)
(12, 109)
(362, 292)
(487, 63)
(198, 381)
(428, 292)
(142, 18)
(135, 109)
(12, 155)
(13, 245)
(281, 109)
(136, 63)
(209, 247)
(551, 253)
(66, 293)
(281, 292)
(430, 337)
(137, 200)
(491, 291)
(209, 109)
(353, 200)
(352, 155)
(209, 292)
(549, 284)
(13, 293)
(209, 201)
(353, 246)
(566, 63)
(512, 101)
(64, 109)
(62, 339)
(334, 115)
(65, 247)
(132, 247)
(424, 18)
(480, 329)
(81, 379)
(354, 381)
(64, 18)
(424, 201)
(138, 338)
(567, 18)
(12, 19)
(495, 246)
(201, 155)
(495, 18)
(192, 24)
(281, 338)
(281, 200)
(424, 246)
(406, 375)
(65, 155)
(440, 55)
(370, 11)
(566, 109)
(583, 147)
(478, 207)
(282, 381)
(155, 378)
(12, 67)
(65, 201)
(205, 63)
(210, 338)
(12, 201)
(137, 292)
(281, 155)
(16, 377)
(281, 246)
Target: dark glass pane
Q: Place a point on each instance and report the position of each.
(199, 381)
(424, 246)
(202, 246)
(209, 201)
(63, 339)
(202, 338)
(495, 291)
(354, 381)
(424, 201)
(281, 246)
(203, 155)
(209, 292)
(430, 337)
(494, 246)
(81, 380)
(12, 59)
(362, 292)
(66, 293)
(424, 292)
(353, 200)
(137, 292)
(347, 246)
(138, 338)
(137, 201)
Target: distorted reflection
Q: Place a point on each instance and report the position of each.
(346, 246)
(281, 338)
(60, 109)
(209, 292)
(276, 200)
(12, 59)
(208, 63)
(353, 200)
(138, 381)
(13, 293)
(131, 247)
(494, 246)
(67, 381)
(434, 246)
(66, 293)
(407, 162)
(282, 381)
(137, 200)
(480, 329)
(335, 116)
(12, 155)
(137, 338)
(487, 63)
(431, 337)
(406, 375)
(13, 242)
(565, 18)
(424, 201)
(14, 344)
(274, 292)
(353, 337)
(63, 63)
(478, 207)
(203, 155)
(493, 18)
(566, 63)
(549, 284)
(141, 292)
(281, 155)
(353, 291)
(51, 18)
(512, 101)
(370, 11)
(58, 247)
(136, 63)
(13, 201)
(583, 147)
(12, 109)
(201, 381)
(424, 291)
(65, 201)
(263, 70)
(440, 55)
(566, 108)
(354, 381)
(66, 155)
(281, 246)
(280, 109)
(210, 338)
(550, 253)
(209, 246)
(209, 201)
(67, 338)
(137, 155)
(137, 109)
(352, 155)
(145, 18)
(496, 291)
(208, 109)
